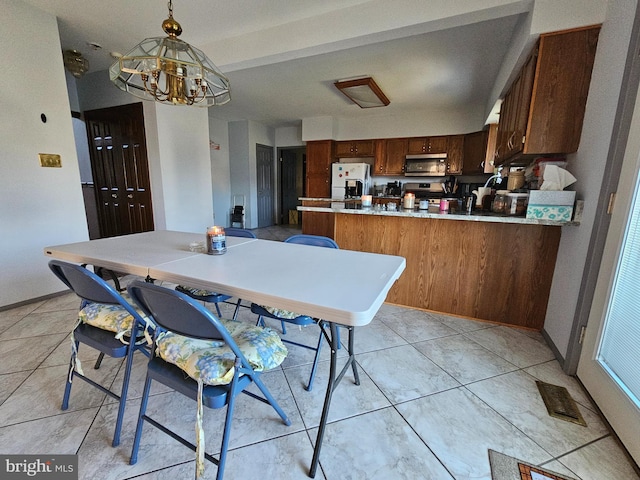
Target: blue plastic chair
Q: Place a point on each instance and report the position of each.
(213, 297)
(300, 320)
(175, 312)
(93, 289)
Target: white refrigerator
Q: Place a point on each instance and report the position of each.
(356, 176)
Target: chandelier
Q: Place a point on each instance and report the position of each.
(169, 70)
(75, 62)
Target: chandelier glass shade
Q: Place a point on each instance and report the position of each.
(169, 70)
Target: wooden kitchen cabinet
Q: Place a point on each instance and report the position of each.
(514, 112)
(318, 168)
(418, 145)
(390, 160)
(543, 110)
(355, 148)
(317, 223)
(318, 185)
(479, 151)
(455, 153)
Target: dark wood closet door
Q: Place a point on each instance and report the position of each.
(120, 167)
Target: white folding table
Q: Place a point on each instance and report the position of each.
(345, 288)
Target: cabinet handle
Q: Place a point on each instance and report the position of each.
(130, 195)
(114, 195)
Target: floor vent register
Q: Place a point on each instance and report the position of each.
(559, 403)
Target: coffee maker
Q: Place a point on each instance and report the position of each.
(353, 188)
(394, 189)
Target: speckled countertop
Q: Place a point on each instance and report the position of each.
(353, 207)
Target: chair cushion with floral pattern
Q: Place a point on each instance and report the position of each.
(196, 292)
(281, 313)
(113, 318)
(212, 361)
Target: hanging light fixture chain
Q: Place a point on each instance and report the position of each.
(170, 7)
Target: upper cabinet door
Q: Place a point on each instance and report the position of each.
(355, 148)
(479, 151)
(560, 89)
(391, 159)
(455, 152)
(418, 145)
(474, 152)
(438, 144)
(319, 156)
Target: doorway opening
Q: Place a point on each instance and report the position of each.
(291, 183)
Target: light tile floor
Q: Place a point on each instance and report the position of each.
(436, 393)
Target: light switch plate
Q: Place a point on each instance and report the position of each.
(50, 160)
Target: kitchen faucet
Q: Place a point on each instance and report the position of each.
(496, 176)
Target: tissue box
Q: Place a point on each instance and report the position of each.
(551, 205)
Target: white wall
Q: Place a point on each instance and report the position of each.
(220, 172)
(289, 136)
(552, 15)
(239, 163)
(95, 90)
(263, 135)
(40, 206)
(183, 140)
(469, 119)
(587, 165)
(243, 138)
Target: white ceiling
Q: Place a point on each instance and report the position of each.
(282, 56)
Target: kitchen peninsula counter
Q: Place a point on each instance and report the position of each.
(481, 266)
(356, 209)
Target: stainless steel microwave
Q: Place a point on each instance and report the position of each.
(426, 165)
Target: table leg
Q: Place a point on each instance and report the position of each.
(332, 384)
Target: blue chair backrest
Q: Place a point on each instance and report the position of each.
(239, 232)
(175, 311)
(315, 240)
